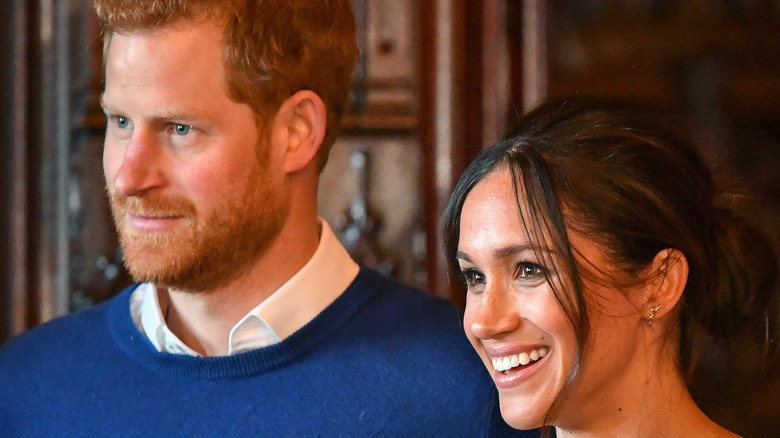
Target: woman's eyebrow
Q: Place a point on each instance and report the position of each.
(510, 250)
(462, 255)
(507, 251)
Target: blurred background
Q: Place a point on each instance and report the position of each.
(437, 80)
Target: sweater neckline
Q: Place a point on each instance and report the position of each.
(133, 343)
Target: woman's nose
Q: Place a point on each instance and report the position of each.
(492, 314)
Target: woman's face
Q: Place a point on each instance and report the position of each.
(519, 329)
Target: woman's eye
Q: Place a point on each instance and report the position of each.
(473, 278)
(529, 272)
(181, 129)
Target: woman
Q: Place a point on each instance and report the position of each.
(596, 265)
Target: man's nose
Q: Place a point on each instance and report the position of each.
(142, 165)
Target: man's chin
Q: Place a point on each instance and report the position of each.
(179, 270)
(152, 271)
(153, 263)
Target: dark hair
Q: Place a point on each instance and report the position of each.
(271, 48)
(619, 174)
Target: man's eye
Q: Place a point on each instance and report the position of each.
(122, 122)
(181, 129)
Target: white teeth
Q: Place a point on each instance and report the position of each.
(524, 358)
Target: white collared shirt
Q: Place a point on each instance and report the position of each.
(321, 280)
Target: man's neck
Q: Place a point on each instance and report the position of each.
(203, 320)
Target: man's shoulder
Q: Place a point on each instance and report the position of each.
(402, 318)
(418, 337)
(397, 291)
(402, 302)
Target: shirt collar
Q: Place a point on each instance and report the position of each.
(321, 280)
(153, 323)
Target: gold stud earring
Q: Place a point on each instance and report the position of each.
(652, 313)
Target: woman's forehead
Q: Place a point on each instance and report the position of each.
(494, 210)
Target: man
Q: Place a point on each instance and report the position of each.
(249, 318)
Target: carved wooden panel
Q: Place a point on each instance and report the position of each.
(717, 62)
(59, 246)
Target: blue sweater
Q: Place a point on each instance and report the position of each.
(382, 360)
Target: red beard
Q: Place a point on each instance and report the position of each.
(204, 249)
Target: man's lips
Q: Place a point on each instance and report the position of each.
(150, 223)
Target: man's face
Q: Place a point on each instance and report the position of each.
(194, 189)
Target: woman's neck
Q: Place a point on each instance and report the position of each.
(658, 406)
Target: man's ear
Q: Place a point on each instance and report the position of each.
(300, 124)
(668, 277)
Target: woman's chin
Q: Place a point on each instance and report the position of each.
(521, 419)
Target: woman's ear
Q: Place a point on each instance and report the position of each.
(300, 125)
(668, 277)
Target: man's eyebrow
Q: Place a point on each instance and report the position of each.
(164, 114)
(103, 103)
(181, 113)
